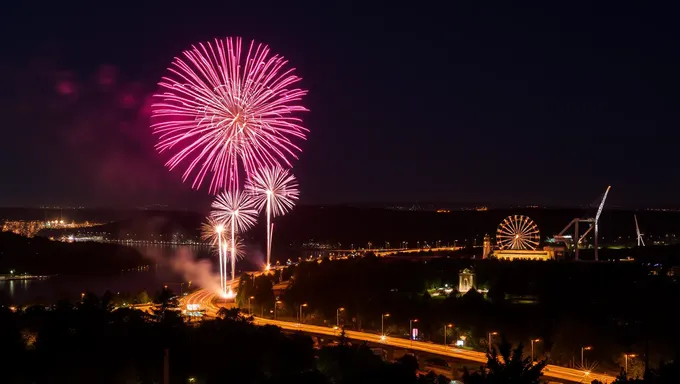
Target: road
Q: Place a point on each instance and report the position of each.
(392, 251)
(207, 301)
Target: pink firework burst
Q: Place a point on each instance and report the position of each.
(222, 106)
(240, 247)
(275, 189)
(237, 210)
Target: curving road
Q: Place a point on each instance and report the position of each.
(208, 301)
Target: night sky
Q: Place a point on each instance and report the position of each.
(464, 103)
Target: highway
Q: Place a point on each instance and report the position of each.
(207, 301)
(393, 251)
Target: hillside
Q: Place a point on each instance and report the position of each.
(353, 225)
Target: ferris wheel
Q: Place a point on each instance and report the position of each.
(517, 232)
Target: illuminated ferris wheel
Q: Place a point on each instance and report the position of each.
(517, 232)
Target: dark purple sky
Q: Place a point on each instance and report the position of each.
(464, 102)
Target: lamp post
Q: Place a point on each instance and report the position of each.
(491, 334)
(446, 329)
(382, 324)
(410, 327)
(587, 348)
(532, 348)
(250, 307)
(337, 316)
(276, 304)
(302, 305)
(626, 356)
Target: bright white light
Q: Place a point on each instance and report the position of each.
(230, 294)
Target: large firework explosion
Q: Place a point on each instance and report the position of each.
(224, 111)
(220, 107)
(275, 190)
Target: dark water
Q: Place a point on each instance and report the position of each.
(163, 269)
(49, 291)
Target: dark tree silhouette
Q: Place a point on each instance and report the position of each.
(508, 366)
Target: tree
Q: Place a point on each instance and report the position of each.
(142, 298)
(264, 295)
(636, 368)
(508, 366)
(246, 288)
(432, 378)
(165, 308)
(668, 372)
(350, 364)
(496, 295)
(233, 314)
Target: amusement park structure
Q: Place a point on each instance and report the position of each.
(640, 242)
(517, 237)
(576, 240)
(517, 232)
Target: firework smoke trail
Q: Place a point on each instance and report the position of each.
(219, 106)
(237, 210)
(275, 190)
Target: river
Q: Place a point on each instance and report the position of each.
(159, 273)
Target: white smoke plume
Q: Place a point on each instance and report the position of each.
(183, 261)
(199, 272)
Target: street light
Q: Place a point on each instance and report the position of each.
(627, 355)
(445, 329)
(410, 326)
(382, 324)
(302, 305)
(250, 307)
(491, 334)
(276, 304)
(532, 348)
(587, 348)
(337, 316)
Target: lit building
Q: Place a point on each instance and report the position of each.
(466, 281)
(487, 247)
(548, 253)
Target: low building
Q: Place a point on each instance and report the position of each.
(546, 253)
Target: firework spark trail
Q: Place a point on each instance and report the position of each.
(220, 107)
(275, 190)
(237, 210)
(213, 232)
